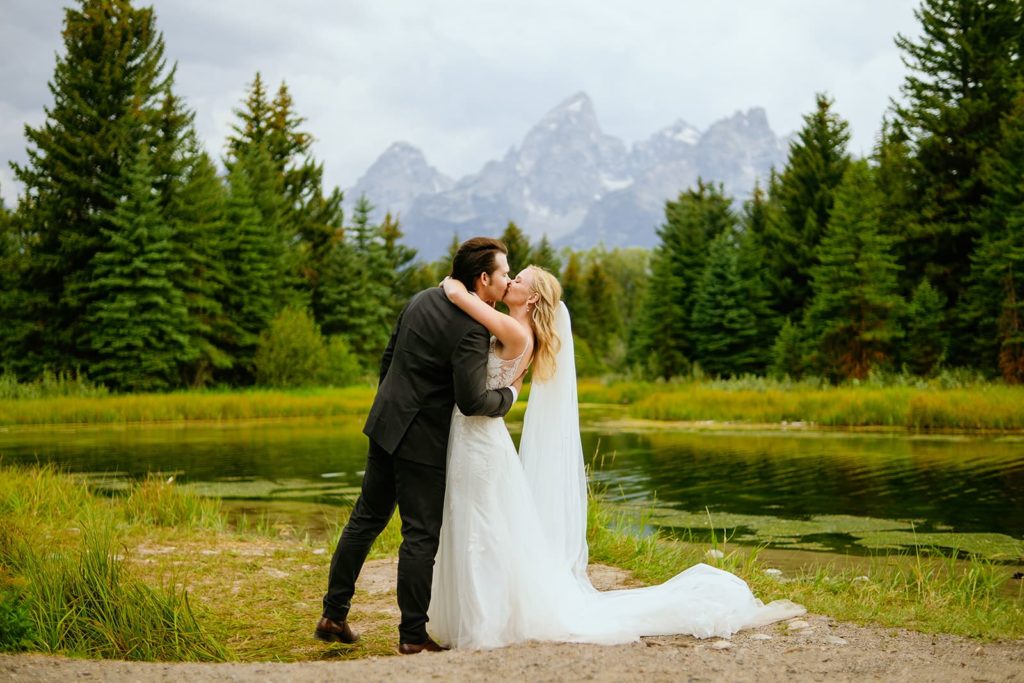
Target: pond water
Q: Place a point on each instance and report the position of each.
(829, 492)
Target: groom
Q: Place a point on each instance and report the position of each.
(436, 358)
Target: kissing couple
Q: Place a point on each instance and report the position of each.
(494, 547)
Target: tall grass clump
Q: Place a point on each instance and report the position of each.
(65, 584)
(48, 385)
(84, 601)
(933, 594)
(160, 502)
(41, 492)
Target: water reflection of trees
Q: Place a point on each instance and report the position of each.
(970, 484)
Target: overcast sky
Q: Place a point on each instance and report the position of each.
(464, 80)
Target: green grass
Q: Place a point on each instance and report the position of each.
(897, 403)
(63, 547)
(118, 577)
(185, 406)
(923, 406)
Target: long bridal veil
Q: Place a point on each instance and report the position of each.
(552, 454)
(702, 600)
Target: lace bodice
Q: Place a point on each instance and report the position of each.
(500, 372)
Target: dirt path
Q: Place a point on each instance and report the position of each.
(813, 648)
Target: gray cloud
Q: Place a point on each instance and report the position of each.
(464, 81)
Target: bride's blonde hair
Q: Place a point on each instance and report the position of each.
(542, 312)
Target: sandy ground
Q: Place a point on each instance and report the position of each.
(811, 648)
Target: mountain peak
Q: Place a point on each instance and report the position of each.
(577, 102)
(399, 175)
(578, 108)
(403, 149)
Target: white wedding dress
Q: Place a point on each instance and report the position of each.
(511, 565)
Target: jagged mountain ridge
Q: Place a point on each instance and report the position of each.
(571, 181)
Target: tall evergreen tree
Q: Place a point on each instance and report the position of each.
(106, 88)
(629, 271)
(291, 191)
(787, 352)
(574, 294)
(962, 76)
(202, 243)
(604, 322)
(894, 171)
(756, 297)
(253, 125)
(926, 340)
(995, 303)
(357, 302)
(853, 317)
(802, 198)
(545, 256)
(725, 332)
(399, 259)
(191, 198)
(518, 245)
(250, 254)
(137, 319)
(9, 280)
(663, 343)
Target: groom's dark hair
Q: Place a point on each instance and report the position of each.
(475, 256)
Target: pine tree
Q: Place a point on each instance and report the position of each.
(253, 127)
(136, 317)
(604, 321)
(629, 269)
(545, 256)
(725, 333)
(201, 245)
(750, 260)
(853, 316)
(400, 261)
(357, 301)
(962, 77)
(290, 191)
(926, 340)
(191, 198)
(787, 352)
(663, 343)
(9, 299)
(894, 173)
(249, 252)
(995, 304)
(574, 295)
(106, 87)
(518, 246)
(802, 198)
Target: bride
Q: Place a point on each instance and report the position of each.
(511, 565)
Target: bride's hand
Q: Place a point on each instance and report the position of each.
(453, 287)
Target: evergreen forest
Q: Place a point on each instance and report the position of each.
(141, 261)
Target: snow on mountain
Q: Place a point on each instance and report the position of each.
(569, 180)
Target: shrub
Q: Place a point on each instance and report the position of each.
(341, 368)
(291, 352)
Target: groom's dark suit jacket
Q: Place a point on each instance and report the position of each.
(436, 358)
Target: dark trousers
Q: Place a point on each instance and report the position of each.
(418, 490)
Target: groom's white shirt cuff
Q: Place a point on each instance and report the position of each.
(515, 394)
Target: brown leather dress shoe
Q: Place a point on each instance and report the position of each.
(331, 631)
(415, 648)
